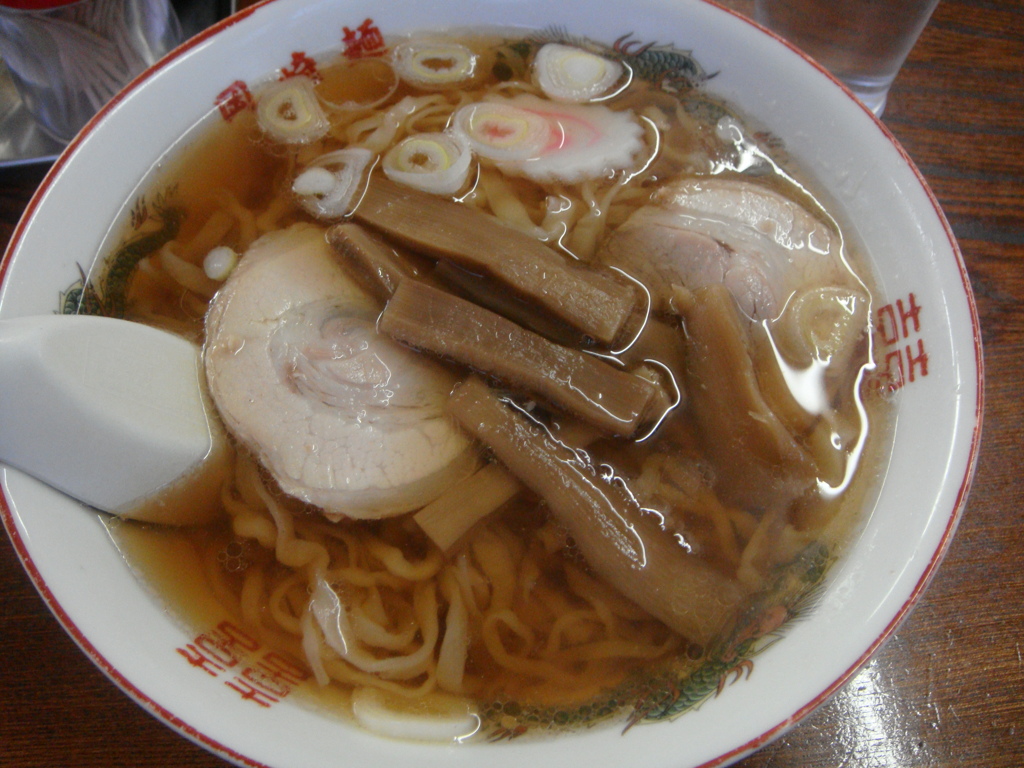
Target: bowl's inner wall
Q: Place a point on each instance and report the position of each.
(850, 155)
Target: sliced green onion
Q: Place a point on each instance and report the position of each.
(431, 162)
(326, 188)
(288, 111)
(433, 64)
(573, 75)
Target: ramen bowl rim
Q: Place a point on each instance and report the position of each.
(146, 687)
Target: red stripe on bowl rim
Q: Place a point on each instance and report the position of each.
(147, 703)
(965, 485)
(197, 736)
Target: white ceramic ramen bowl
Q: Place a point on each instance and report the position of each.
(927, 328)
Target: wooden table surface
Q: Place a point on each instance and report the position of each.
(948, 688)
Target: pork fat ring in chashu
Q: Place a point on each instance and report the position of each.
(342, 418)
(762, 246)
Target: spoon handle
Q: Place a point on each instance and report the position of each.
(108, 411)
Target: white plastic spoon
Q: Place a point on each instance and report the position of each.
(112, 413)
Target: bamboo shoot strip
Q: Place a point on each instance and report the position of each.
(487, 294)
(620, 543)
(431, 319)
(595, 303)
(446, 519)
(759, 464)
(374, 263)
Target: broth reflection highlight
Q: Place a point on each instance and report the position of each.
(546, 381)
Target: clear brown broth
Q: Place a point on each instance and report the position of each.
(234, 157)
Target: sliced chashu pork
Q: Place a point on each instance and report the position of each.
(697, 232)
(342, 418)
(730, 256)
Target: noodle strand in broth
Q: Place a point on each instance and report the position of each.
(512, 611)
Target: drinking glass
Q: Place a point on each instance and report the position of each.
(862, 42)
(67, 58)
